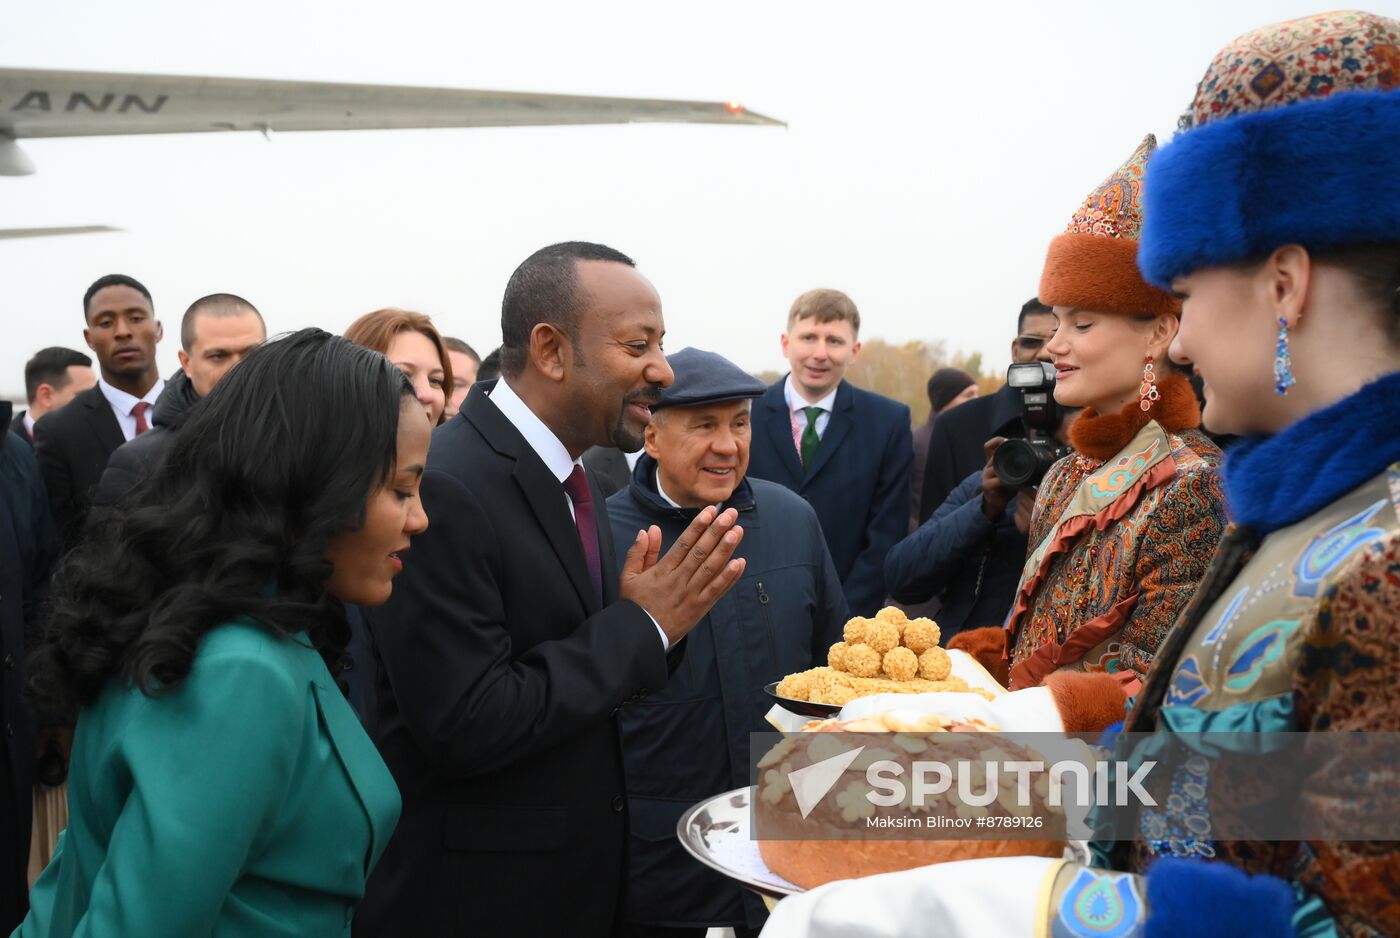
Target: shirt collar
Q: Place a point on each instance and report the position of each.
(662, 492)
(124, 403)
(797, 402)
(541, 439)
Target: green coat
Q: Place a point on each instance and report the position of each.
(247, 802)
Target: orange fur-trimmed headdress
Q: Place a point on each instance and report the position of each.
(1093, 265)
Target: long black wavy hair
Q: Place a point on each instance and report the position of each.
(280, 458)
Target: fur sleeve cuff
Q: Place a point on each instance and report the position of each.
(1087, 702)
(1214, 900)
(988, 646)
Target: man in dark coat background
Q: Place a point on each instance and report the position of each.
(845, 450)
(216, 332)
(690, 740)
(28, 549)
(511, 644)
(52, 377)
(955, 448)
(610, 466)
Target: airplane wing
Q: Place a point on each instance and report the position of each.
(47, 232)
(44, 103)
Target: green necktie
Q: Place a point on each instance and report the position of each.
(810, 439)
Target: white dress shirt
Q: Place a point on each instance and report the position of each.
(552, 452)
(662, 492)
(124, 405)
(798, 416)
(29, 424)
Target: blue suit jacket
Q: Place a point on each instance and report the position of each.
(858, 483)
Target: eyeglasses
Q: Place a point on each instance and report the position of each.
(1031, 343)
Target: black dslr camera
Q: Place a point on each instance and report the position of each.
(1020, 463)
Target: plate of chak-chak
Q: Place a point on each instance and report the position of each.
(889, 654)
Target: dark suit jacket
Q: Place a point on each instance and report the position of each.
(28, 549)
(858, 483)
(73, 445)
(18, 428)
(138, 458)
(609, 468)
(500, 677)
(16, 727)
(955, 446)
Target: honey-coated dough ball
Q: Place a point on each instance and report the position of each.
(935, 665)
(893, 615)
(836, 658)
(855, 630)
(882, 635)
(901, 664)
(920, 635)
(862, 660)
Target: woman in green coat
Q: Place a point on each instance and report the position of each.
(220, 784)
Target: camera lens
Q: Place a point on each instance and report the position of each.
(1022, 462)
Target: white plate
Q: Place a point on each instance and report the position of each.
(716, 832)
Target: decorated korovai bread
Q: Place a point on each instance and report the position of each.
(834, 841)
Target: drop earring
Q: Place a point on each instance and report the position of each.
(1148, 394)
(1283, 362)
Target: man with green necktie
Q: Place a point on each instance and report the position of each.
(845, 450)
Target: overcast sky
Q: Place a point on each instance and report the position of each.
(932, 153)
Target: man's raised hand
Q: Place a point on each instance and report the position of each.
(678, 589)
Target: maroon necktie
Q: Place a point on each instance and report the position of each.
(577, 487)
(140, 411)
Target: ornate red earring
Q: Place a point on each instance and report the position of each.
(1148, 393)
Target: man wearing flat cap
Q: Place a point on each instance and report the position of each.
(690, 740)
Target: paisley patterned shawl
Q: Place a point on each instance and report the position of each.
(1118, 547)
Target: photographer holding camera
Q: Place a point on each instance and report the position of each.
(969, 552)
(1124, 525)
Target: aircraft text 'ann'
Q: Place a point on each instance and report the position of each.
(77, 101)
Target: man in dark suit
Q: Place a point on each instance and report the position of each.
(510, 644)
(956, 448)
(845, 450)
(73, 444)
(52, 378)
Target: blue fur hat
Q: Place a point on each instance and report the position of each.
(1283, 150)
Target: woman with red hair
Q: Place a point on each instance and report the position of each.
(410, 341)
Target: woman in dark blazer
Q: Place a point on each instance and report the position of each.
(220, 783)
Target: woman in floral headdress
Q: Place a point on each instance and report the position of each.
(1276, 216)
(1124, 527)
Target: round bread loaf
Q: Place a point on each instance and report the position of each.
(836, 840)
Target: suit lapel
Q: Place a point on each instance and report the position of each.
(545, 494)
(103, 421)
(362, 764)
(779, 423)
(837, 428)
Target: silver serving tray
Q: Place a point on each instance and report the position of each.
(716, 832)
